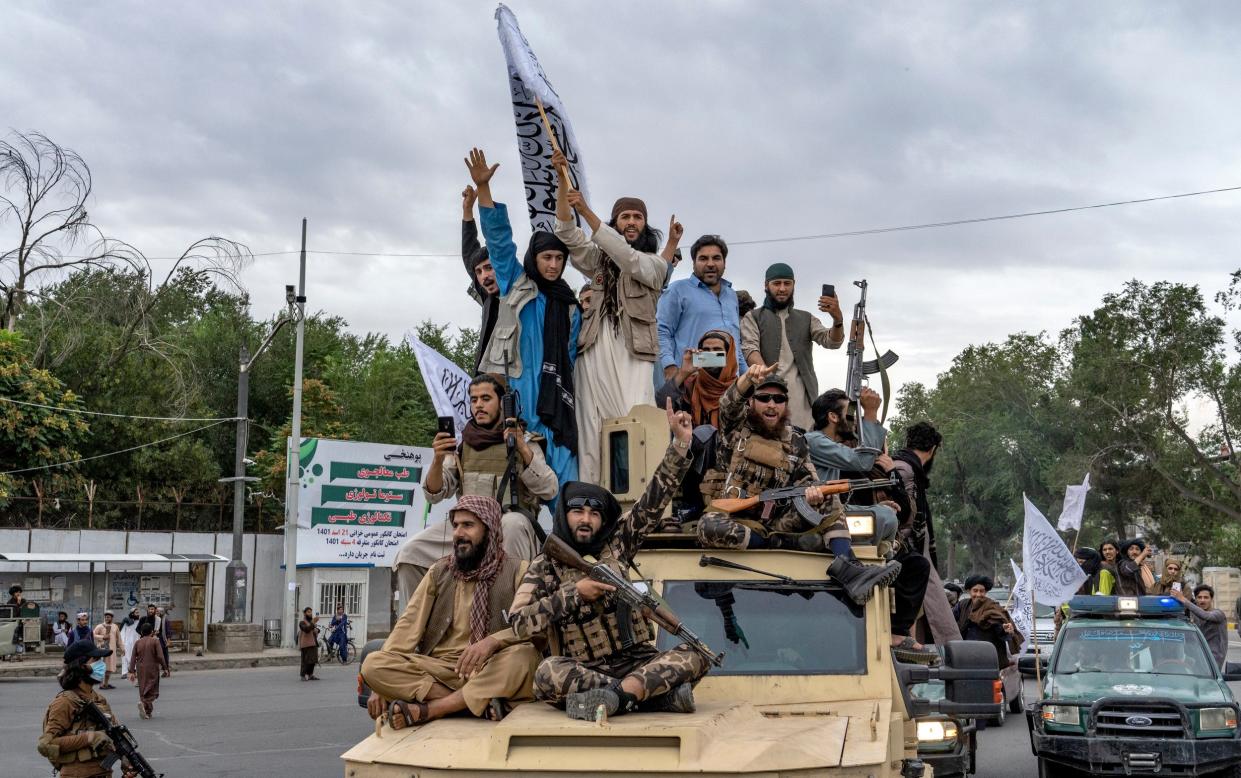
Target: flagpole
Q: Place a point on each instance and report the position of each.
(1076, 535)
(552, 134)
(1038, 657)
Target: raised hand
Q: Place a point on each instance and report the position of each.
(480, 173)
(681, 424)
(758, 373)
(675, 230)
(562, 167)
(469, 196)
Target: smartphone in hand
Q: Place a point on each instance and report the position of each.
(709, 358)
(446, 424)
(829, 290)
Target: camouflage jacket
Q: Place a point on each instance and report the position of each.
(746, 463)
(547, 603)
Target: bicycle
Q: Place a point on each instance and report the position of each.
(329, 651)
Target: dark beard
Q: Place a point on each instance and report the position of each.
(926, 466)
(469, 558)
(760, 426)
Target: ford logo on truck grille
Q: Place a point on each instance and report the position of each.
(1138, 721)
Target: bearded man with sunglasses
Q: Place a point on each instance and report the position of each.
(602, 652)
(758, 449)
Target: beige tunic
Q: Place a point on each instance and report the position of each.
(608, 378)
(109, 636)
(799, 409)
(397, 672)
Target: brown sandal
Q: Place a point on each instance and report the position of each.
(402, 707)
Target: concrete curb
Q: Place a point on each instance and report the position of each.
(10, 670)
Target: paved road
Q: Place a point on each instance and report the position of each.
(254, 722)
(1005, 752)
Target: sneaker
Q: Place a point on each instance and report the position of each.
(677, 700)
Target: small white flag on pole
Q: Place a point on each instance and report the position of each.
(526, 82)
(1054, 572)
(1022, 610)
(448, 384)
(1074, 505)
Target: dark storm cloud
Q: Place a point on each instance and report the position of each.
(756, 120)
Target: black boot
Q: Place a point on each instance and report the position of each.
(585, 706)
(860, 580)
(679, 699)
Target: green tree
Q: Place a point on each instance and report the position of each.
(34, 437)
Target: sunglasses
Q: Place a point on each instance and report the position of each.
(778, 399)
(578, 503)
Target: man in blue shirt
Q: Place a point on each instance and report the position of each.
(693, 306)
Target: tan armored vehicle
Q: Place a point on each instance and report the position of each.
(808, 686)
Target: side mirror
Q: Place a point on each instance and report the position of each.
(970, 673)
(1029, 665)
(1232, 671)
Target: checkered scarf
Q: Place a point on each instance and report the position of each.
(488, 512)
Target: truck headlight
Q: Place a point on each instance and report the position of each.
(1217, 718)
(1062, 714)
(936, 731)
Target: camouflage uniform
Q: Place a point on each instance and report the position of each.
(748, 463)
(596, 644)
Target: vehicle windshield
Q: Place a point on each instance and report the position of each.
(1123, 648)
(771, 628)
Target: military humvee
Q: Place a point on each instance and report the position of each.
(809, 686)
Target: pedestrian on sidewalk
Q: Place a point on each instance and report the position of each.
(60, 630)
(145, 667)
(308, 642)
(81, 630)
(108, 635)
(129, 636)
(17, 600)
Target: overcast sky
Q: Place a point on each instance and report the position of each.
(753, 120)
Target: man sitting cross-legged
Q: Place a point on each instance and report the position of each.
(603, 652)
(451, 648)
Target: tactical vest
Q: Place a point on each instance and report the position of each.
(481, 470)
(752, 464)
(796, 328)
(498, 600)
(611, 628)
(78, 725)
(636, 304)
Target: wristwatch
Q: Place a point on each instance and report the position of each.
(679, 445)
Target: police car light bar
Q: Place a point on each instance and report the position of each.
(1103, 605)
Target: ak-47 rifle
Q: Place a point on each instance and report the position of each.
(509, 408)
(858, 369)
(124, 743)
(627, 593)
(797, 496)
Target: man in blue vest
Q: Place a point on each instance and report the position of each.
(777, 332)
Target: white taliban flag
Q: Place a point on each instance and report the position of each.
(1074, 505)
(1054, 574)
(526, 82)
(448, 384)
(1022, 609)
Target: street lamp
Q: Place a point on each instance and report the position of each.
(235, 574)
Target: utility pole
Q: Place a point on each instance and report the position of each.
(236, 575)
(292, 486)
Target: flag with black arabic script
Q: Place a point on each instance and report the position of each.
(1054, 573)
(527, 81)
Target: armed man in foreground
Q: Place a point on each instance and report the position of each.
(495, 458)
(76, 725)
(757, 450)
(451, 650)
(602, 650)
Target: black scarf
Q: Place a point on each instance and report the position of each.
(611, 517)
(923, 526)
(770, 303)
(555, 407)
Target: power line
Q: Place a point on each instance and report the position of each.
(823, 236)
(114, 453)
(113, 415)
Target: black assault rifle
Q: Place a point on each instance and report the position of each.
(858, 369)
(797, 496)
(124, 743)
(627, 593)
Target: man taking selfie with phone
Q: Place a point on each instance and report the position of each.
(777, 332)
(705, 373)
(692, 306)
(477, 466)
